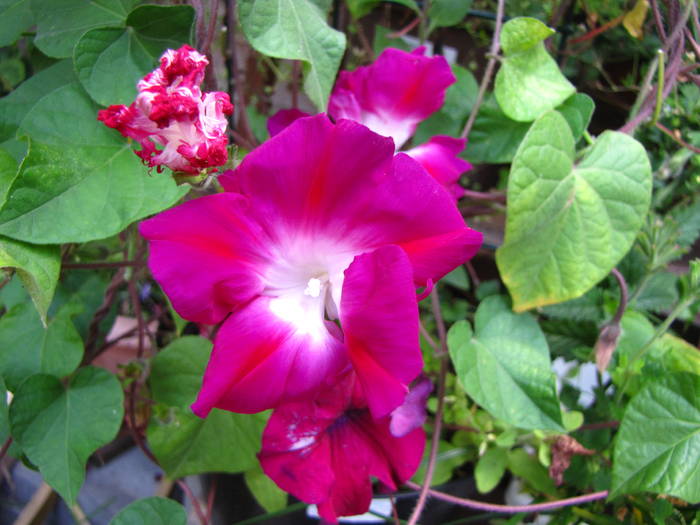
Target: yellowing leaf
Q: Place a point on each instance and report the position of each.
(634, 19)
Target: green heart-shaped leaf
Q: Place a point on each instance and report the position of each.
(505, 366)
(568, 225)
(529, 81)
(58, 426)
(297, 30)
(132, 51)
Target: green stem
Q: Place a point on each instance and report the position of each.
(659, 87)
(661, 330)
(587, 137)
(423, 27)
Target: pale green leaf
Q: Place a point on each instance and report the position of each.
(151, 511)
(37, 266)
(505, 366)
(657, 448)
(523, 33)
(568, 225)
(60, 24)
(529, 82)
(132, 51)
(296, 30)
(58, 426)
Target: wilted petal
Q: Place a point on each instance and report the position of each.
(324, 451)
(411, 414)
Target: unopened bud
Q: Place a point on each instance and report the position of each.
(605, 345)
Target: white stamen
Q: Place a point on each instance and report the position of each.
(313, 287)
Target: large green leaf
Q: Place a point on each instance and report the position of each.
(15, 17)
(297, 30)
(37, 266)
(151, 511)
(80, 180)
(58, 426)
(60, 24)
(529, 82)
(132, 51)
(658, 446)
(17, 104)
(28, 348)
(505, 366)
(490, 469)
(568, 225)
(183, 443)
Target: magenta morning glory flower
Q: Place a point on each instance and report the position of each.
(174, 122)
(312, 256)
(391, 97)
(324, 451)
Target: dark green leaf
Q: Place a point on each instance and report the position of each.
(447, 459)
(183, 443)
(61, 24)
(17, 104)
(296, 30)
(505, 366)
(449, 120)
(132, 51)
(688, 219)
(568, 225)
(59, 427)
(495, 138)
(151, 511)
(15, 17)
(577, 110)
(359, 8)
(658, 446)
(28, 348)
(443, 13)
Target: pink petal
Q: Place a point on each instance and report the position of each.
(311, 180)
(260, 359)
(395, 93)
(205, 254)
(282, 119)
(379, 316)
(439, 158)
